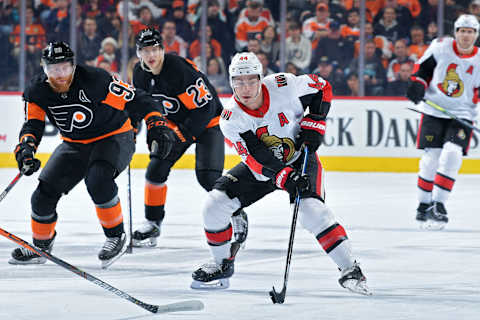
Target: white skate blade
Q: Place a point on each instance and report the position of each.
(145, 243)
(433, 225)
(39, 260)
(357, 287)
(212, 285)
(189, 305)
(109, 262)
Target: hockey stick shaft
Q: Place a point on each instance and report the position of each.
(129, 199)
(180, 306)
(11, 185)
(280, 297)
(451, 115)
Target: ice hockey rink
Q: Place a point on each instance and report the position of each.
(414, 274)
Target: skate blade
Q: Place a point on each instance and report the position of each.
(212, 285)
(433, 225)
(109, 262)
(357, 287)
(40, 260)
(145, 243)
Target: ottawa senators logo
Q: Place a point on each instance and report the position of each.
(452, 85)
(282, 148)
(71, 116)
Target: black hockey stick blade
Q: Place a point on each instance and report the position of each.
(278, 297)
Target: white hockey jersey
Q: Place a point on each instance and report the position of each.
(276, 123)
(455, 81)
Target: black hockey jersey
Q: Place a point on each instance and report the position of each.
(183, 92)
(95, 107)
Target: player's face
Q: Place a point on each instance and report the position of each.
(247, 89)
(59, 75)
(152, 56)
(465, 37)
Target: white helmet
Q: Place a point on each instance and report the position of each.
(245, 63)
(466, 21)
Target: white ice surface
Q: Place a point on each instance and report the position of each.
(414, 274)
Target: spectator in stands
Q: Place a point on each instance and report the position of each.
(334, 76)
(312, 27)
(374, 73)
(382, 43)
(216, 77)
(171, 42)
(298, 48)
(432, 32)
(196, 46)
(338, 49)
(34, 44)
(89, 42)
(108, 53)
(398, 87)
(400, 57)
(352, 85)
(418, 45)
(58, 22)
(210, 54)
(372, 7)
(8, 65)
(135, 5)
(351, 30)
(132, 46)
(264, 12)
(250, 25)
(105, 23)
(7, 18)
(184, 29)
(253, 45)
(402, 13)
(474, 8)
(413, 5)
(96, 8)
(292, 68)
(145, 20)
(263, 58)
(389, 27)
(269, 43)
(337, 11)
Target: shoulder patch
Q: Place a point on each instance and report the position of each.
(226, 114)
(281, 80)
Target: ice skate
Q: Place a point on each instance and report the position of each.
(25, 256)
(213, 275)
(146, 235)
(436, 217)
(354, 280)
(240, 227)
(112, 250)
(422, 212)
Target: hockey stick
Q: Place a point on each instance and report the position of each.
(189, 305)
(11, 185)
(129, 199)
(451, 115)
(279, 297)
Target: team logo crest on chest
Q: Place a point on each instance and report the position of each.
(83, 97)
(282, 148)
(71, 116)
(452, 85)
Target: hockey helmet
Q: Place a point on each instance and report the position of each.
(149, 37)
(467, 21)
(245, 63)
(57, 52)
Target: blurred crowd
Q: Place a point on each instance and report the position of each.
(322, 36)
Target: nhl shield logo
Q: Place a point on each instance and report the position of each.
(461, 134)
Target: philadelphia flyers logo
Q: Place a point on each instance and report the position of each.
(168, 105)
(71, 116)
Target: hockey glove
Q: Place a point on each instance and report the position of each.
(25, 156)
(160, 138)
(415, 91)
(290, 180)
(312, 130)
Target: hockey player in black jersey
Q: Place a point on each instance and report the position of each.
(89, 107)
(192, 108)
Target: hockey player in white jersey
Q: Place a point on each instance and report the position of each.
(266, 123)
(448, 74)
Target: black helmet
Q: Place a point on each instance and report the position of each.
(149, 37)
(57, 52)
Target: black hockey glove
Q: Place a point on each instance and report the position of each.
(312, 130)
(290, 180)
(415, 91)
(160, 138)
(25, 156)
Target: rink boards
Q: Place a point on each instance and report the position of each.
(363, 134)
